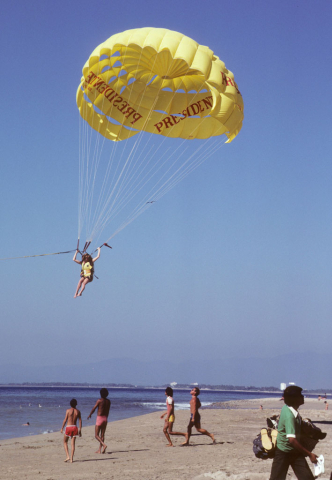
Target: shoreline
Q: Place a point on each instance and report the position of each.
(308, 393)
(137, 447)
(134, 387)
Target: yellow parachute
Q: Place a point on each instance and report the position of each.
(158, 81)
(165, 87)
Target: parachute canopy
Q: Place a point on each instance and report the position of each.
(159, 81)
(161, 88)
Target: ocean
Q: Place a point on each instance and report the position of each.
(44, 407)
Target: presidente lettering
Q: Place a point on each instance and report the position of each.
(111, 95)
(228, 81)
(193, 109)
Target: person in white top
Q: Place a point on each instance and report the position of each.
(170, 417)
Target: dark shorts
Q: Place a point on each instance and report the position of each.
(195, 420)
(88, 278)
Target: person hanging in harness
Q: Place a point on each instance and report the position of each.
(87, 271)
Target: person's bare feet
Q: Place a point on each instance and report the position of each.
(98, 451)
(67, 459)
(104, 449)
(169, 445)
(213, 439)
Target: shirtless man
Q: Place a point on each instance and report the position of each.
(195, 418)
(103, 404)
(72, 415)
(170, 417)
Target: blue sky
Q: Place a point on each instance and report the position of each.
(236, 260)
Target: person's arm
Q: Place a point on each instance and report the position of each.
(296, 444)
(162, 416)
(64, 422)
(96, 258)
(75, 257)
(94, 408)
(80, 424)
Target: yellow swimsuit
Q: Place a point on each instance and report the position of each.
(86, 269)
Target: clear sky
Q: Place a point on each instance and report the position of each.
(233, 262)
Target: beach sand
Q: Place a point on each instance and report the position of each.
(137, 448)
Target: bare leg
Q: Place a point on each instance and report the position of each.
(85, 281)
(78, 286)
(97, 437)
(65, 444)
(72, 449)
(190, 426)
(165, 430)
(170, 431)
(205, 432)
(102, 435)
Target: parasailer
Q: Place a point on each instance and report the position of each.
(87, 271)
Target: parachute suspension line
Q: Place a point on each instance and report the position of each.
(139, 207)
(95, 163)
(168, 185)
(83, 177)
(40, 255)
(114, 211)
(90, 196)
(91, 177)
(189, 168)
(88, 175)
(125, 176)
(123, 203)
(106, 178)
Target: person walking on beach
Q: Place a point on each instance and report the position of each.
(103, 404)
(195, 418)
(289, 451)
(71, 431)
(170, 417)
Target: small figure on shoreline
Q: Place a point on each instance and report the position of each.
(71, 431)
(170, 417)
(26, 424)
(103, 404)
(195, 418)
(87, 271)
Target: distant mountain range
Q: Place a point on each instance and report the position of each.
(308, 370)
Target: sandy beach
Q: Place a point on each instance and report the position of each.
(137, 448)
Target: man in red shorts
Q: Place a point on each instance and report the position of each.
(103, 404)
(71, 431)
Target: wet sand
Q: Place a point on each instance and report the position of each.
(137, 448)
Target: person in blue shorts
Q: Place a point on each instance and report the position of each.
(289, 451)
